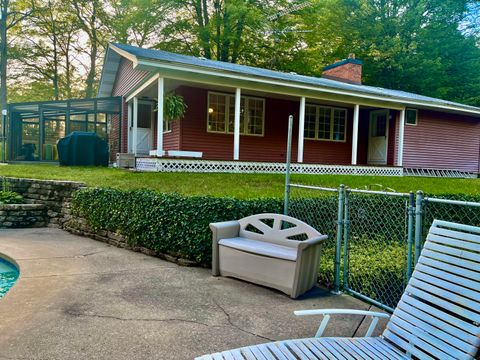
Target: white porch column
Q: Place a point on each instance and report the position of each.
(356, 116)
(401, 136)
(160, 116)
(301, 129)
(135, 125)
(129, 127)
(236, 130)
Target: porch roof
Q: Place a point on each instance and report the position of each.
(156, 59)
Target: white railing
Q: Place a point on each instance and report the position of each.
(210, 166)
(447, 173)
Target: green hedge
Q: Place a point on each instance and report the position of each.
(167, 223)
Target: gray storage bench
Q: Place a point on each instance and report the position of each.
(265, 249)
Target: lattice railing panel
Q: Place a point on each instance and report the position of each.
(206, 166)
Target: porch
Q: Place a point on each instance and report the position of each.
(225, 124)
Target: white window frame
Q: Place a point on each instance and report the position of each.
(227, 113)
(416, 117)
(317, 113)
(167, 126)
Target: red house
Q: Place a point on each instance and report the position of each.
(239, 114)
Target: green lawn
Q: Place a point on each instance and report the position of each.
(236, 185)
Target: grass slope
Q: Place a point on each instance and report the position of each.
(242, 186)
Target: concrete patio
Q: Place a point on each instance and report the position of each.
(77, 298)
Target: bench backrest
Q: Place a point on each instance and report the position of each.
(276, 228)
(438, 316)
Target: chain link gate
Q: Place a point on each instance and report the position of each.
(370, 239)
(377, 245)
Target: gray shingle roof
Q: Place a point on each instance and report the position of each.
(165, 56)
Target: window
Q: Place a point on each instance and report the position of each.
(325, 123)
(221, 114)
(411, 116)
(167, 126)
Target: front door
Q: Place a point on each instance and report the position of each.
(144, 127)
(378, 137)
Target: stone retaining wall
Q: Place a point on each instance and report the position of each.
(79, 226)
(50, 200)
(56, 196)
(23, 215)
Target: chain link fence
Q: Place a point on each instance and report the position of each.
(375, 237)
(318, 207)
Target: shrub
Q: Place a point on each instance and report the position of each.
(167, 223)
(10, 197)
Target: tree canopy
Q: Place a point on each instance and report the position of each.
(431, 47)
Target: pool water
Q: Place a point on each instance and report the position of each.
(8, 276)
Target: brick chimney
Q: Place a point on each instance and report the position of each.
(348, 70)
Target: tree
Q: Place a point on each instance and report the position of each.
(415, 46)
(224, 30)
(11, 14)
(137, 22)
(91, 18)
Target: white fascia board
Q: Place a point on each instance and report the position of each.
(252, 84)
(125, 54)
(142, 86)
(144, 64)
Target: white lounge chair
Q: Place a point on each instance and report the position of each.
(438, 316)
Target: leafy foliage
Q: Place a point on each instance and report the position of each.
(10, 197)
(167, 223)
(428, 47)
(174, 107)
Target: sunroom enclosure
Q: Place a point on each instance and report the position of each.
(34, 128)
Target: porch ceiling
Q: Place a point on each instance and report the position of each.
(151, 92)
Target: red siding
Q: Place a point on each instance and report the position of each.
(171, 139)
(270, 147)
(126, 80)
(442, 141)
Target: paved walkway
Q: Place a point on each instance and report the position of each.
(77, 298)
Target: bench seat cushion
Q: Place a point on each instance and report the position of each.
(260, 248)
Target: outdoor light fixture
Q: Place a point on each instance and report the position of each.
(210, 110)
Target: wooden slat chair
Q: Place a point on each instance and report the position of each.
(438, 316)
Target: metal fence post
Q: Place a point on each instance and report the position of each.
(418, 225)
(346, 222)
(338, 245)
(287, 171)
(410, 233)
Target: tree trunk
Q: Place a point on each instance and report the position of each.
(226, 35)
(56, 92)
(91, 73)
(68, 65)
(93, 54)
(238, 38)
